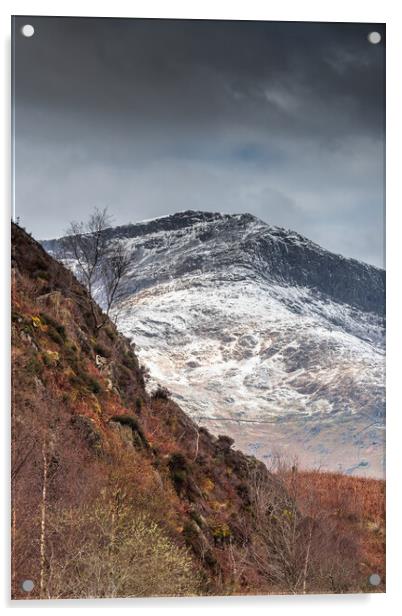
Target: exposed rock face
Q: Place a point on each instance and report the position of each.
(261, 331)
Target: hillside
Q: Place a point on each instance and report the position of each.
(116, 492)
(260, 333)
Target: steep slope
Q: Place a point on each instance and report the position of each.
(83, 425)
(116, 492)
(260, 332)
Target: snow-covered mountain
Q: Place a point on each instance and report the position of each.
(261, 334)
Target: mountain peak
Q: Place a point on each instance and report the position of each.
(177, 221)
(192, 242)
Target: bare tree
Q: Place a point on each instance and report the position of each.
(99, 262)
(279, 548)
(112, 270)
(298, 546)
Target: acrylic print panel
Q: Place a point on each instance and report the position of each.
(198, 308)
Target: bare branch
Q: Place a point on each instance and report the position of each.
(98, 262)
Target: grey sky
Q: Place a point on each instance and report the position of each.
(149, 117)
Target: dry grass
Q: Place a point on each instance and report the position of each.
(356, 507)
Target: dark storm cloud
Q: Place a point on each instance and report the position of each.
(284, 120)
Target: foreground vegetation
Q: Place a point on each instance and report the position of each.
(118, 493)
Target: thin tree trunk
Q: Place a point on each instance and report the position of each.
(196, 445)
(113, 532)
(42, 541)
(306, 561)
(13, 548)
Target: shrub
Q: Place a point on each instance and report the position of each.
(61, 331)
(210, 559)
(41, 274)
(126, 420)
(207, 485)
(70, 351)
(15, 316)
(81, 377)
(56, 330)
(93, 384)
(50, 358)
(221, 533)
(55, 336)
(129, 361)
(179, 469)
(190, 534)
(100, 551)
(179, 477)
(243, 490)
(224, 443)
(34, 366)
(139, 437)
(178, 461)
(145, 375)
(101, 350)
(124, 376)
(161, 393)
(88, 430)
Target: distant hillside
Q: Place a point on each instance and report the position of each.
(261, 333)
(116, 492)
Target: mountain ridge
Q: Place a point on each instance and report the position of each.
(244, 320)
(274, 244)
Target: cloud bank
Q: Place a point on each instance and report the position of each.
(149, 117)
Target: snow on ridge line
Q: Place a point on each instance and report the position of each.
(274, 231)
